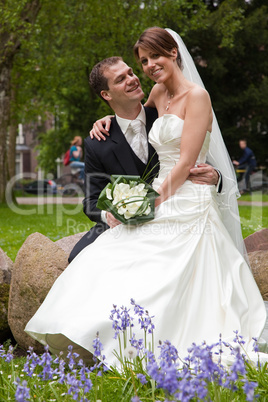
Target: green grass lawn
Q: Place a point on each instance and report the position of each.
(255, 196)
(53, 221)
(57, 221)
(253, 219)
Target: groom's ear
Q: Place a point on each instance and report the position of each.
(106, 96)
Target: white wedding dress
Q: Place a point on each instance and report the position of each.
(182, 267)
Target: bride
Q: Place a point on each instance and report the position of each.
(186, 267)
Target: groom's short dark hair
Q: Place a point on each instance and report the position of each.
(97, 79)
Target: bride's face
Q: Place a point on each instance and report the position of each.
(155, 66)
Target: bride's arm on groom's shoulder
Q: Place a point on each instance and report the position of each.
(101, 128)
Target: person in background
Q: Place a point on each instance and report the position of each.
(76, 154)
(247, 162)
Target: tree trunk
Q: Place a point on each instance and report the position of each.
(10, 43)
(12, 134)
(5, 77)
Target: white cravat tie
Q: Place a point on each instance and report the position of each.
(139, 142)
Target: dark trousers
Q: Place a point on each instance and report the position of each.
(87, 239)
(249, 169)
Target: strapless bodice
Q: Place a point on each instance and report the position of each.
(165, 137)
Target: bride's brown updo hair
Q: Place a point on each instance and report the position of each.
(158, 40)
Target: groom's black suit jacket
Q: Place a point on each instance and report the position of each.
(104, 158)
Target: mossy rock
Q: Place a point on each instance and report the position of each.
(5, 332)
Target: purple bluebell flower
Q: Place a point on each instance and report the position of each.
(74, 385)
(115, 317)
(126, 319)
(255, 345)
(149, 355)
(142, 378)
(98, 357)
(153, 369)
(60, 371)
(165, 377)
(72, 356)
(46, 362)
(145, 320)
(148, 324)
(32, 361)
(204, 366)
(238, 338)
(165, 374)
(249, 389)
(84, 374)
(137, 344)
(7, 356)
(121, 319)
(22, 393)
(138, 310)
(168, 354)
(186, 392)
(135, 399)
(238, 367)
(219, 350)
(98, 347)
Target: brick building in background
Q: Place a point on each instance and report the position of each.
(26, 142)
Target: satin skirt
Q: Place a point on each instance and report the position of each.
(182, 267)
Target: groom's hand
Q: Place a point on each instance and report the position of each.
(111, 220)
(204, 174)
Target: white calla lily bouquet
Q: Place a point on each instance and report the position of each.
(129, 198)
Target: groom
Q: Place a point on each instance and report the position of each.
(122, 152)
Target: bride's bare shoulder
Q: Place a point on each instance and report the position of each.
(198, 93)
(156, 92)
(158, 89)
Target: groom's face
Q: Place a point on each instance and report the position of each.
(124, 85)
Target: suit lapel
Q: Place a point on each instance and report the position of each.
(151, 116)
(122, 150)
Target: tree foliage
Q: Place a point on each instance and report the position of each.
(234, 69)
(17, 21)
(57, 51)
(74, 37)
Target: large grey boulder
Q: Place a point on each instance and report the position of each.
(38, 264)
(6, 266)
(257, 248)
(259, 265)
(68, 243)
(257, 241)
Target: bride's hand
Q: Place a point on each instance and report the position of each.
(111, 220)
(101, 127)
(158, 200)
